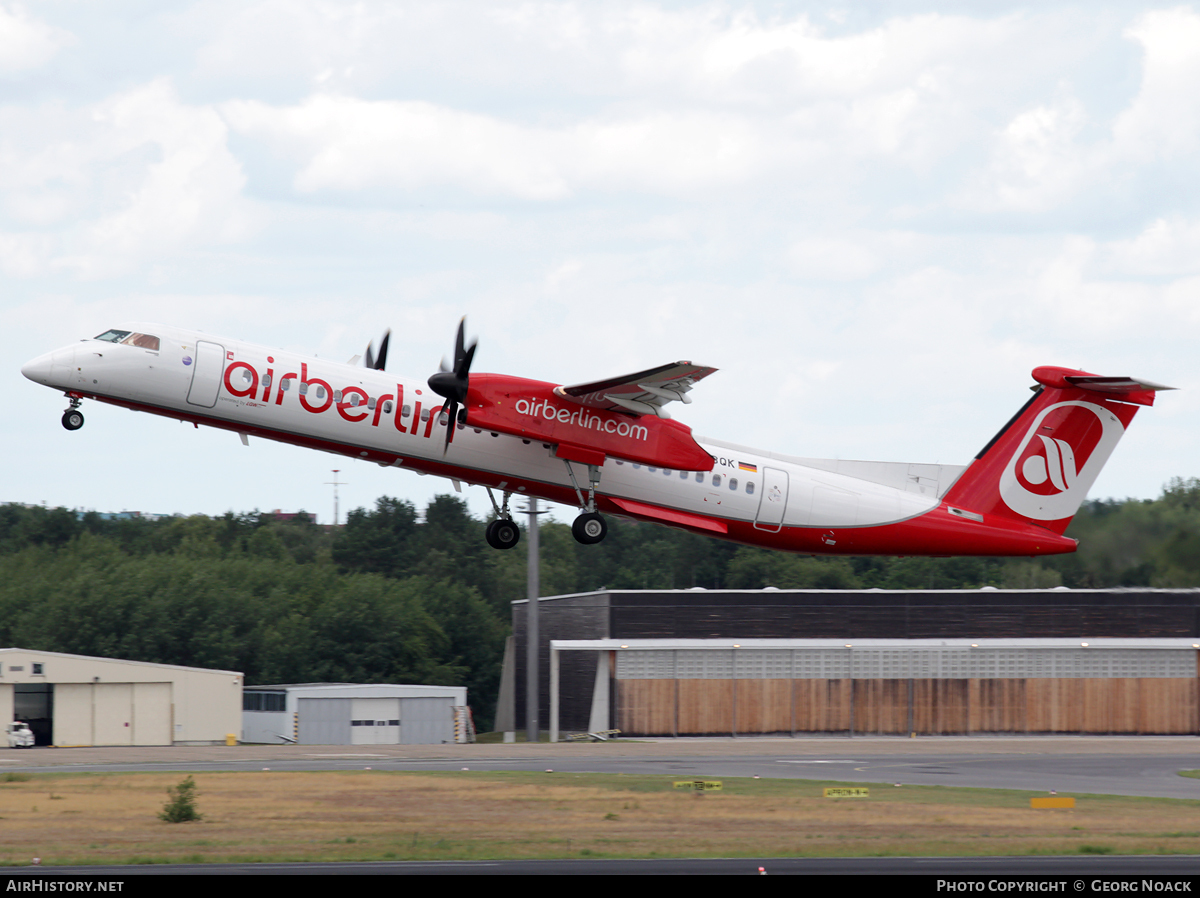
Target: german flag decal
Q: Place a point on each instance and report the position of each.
(742, 466)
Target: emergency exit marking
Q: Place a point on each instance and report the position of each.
(699, 785)
(848, 793)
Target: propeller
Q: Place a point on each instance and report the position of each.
(452, 383)
(369, 359)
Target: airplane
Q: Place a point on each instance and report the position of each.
(611, 447)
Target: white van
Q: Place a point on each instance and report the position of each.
(19, 735)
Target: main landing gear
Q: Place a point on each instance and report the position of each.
(502, 533)
(589, 528)
(72, 418)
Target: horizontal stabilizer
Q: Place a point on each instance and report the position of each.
(1113, 384)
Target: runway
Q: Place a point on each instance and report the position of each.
(1123, 765)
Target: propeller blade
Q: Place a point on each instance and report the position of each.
(454, 383)
(464, 365)
(383, 348)
(369, 359)
(449, 423)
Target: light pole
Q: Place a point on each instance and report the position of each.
(533, 587)
(335, 483)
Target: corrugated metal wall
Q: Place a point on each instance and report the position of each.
(897, 690)
(1137, 706)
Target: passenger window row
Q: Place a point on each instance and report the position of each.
(700, 476)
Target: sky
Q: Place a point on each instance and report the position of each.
(874, 218)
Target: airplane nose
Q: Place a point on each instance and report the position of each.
(39, 369)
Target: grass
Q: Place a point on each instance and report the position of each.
(377, 815)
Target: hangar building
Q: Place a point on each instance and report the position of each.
(76, 700)
(350, 714)
(728, 662)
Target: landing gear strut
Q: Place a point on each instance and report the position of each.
(502, 533)
(72, 418)
(589, 528)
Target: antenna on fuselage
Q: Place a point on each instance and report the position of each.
(335, 483)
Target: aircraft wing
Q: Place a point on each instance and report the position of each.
(642, 393)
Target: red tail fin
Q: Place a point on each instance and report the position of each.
(1040, 466)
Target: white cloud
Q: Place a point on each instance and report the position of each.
(348, 144)
(1038, 164)
(98, 189)
(25, 42)
(1166, 247)
(1163, 122)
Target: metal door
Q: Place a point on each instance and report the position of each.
(773, 502)
(209, 365)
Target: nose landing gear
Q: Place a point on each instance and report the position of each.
(72, 418)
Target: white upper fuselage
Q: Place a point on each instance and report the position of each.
(377, 416)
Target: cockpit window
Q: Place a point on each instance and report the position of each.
(143, 341)
(129, 338)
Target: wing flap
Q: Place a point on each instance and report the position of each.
(669, 515)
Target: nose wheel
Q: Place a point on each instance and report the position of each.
(72, 418)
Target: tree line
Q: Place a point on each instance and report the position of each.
(400, 596)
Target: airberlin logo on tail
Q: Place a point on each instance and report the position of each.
(1058, 460)
(1057, 465)
(539, 408)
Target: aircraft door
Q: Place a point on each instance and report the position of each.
(206, 378)
(774, 500)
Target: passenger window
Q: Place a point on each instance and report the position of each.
(303, 388)
(285, 385)
(699, 476)
(266, 380)
(650, 469)
(370, 404)
(635, 467)
(749, 487)
(320, 392)
(337, 395)
(683, 475)
(246, 375)
(716, 479)
(425, 415)
(665, 471)
(733, 483)
(406, 411)
(387, 407)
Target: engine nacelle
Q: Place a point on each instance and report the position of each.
(531, 410)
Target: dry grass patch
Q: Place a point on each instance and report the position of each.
(375, 815)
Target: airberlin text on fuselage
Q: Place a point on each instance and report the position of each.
(540, 408)
(274, 389)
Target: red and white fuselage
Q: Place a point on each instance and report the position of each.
(520, 436)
